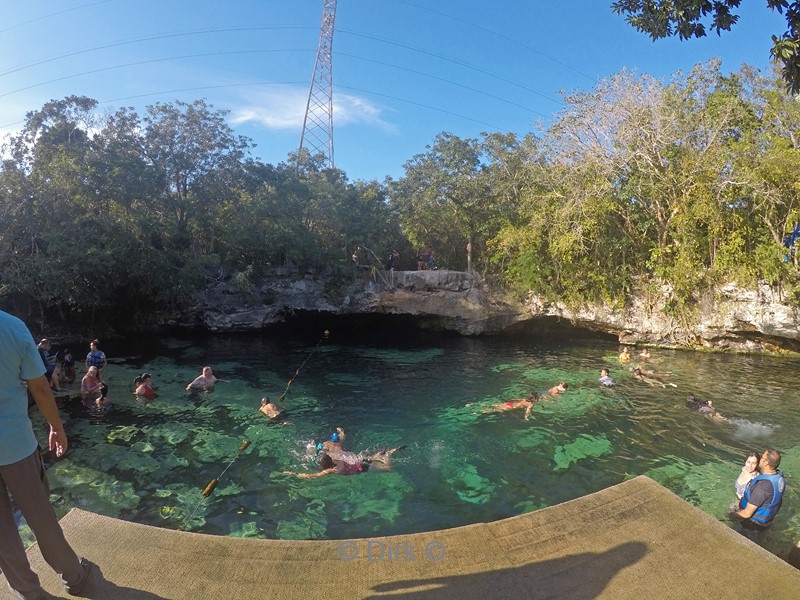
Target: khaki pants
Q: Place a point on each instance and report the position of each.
(27, 482)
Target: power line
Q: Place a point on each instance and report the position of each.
(60, 12)
(500, 35)
(144, 62)
(454, 61)
(455, 83)
(149, 39)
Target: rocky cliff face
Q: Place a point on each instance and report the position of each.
(729, 318)
(726, 319)
(447, 300)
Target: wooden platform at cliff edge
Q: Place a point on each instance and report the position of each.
(634, 540)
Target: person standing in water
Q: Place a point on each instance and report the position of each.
(205, 381)
(763, 497)
(605, 378)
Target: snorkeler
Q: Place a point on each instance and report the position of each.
(526, 403)
(350, 463)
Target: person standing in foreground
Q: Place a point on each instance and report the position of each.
(22, 473)
(762, 498)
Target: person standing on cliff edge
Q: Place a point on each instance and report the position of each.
(22, 474)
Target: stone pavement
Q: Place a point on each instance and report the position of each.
(634, 540)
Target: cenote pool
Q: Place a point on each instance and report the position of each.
(150, 462)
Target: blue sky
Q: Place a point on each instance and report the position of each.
(403, 70)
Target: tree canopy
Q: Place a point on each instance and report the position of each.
(691, 18)
(638, 184)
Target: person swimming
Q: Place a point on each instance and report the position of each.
(349, 463)
(704, 407)
(558, 389)
(639, 374)
(526, 403)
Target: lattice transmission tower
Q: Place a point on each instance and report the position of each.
(317, 136)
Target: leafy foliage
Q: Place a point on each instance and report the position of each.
(688, 18)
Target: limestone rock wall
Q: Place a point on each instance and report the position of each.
(728, 318)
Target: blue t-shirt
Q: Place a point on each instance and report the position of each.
(19, 361)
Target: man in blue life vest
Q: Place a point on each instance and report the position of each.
(762, 498)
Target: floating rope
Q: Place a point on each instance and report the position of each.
(325, 335)
(212, 485)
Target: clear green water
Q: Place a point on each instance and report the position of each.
(150, 462)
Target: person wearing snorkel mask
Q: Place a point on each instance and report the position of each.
(333, 446)
(349, 463)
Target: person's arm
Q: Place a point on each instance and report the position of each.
(747, 512)
(105, 360)
(43, 396)
(87, 362)
(312, 475)
(528, 412)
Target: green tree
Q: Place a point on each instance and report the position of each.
(691, 18)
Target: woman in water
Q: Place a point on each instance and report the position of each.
(144, 388)
(624, 355)
(350, 463)
(749, 472)
(205, 381)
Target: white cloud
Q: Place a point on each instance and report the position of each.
(283, 107)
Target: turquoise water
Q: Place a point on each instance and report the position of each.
(149, 462)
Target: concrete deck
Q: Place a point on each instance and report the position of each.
(634, 540)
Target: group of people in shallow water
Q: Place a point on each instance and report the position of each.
(759, 487)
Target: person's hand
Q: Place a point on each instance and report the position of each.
(57, 440)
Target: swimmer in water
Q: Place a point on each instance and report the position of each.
(605, 378)
(644, 354)
(704, 407)
(350, 463)
(526, 403)
(272, 411)
(624, 354)
(558, 389)
(637, 373)
(205, 381)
